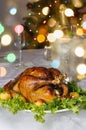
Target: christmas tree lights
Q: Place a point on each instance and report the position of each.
(46, 16)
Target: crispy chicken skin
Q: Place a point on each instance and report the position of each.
(39, 83)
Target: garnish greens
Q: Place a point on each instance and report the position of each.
(75, 104)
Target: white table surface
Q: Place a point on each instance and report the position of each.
(29, 58)
(25, 120)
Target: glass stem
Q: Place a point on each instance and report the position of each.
(20, 57)
(20, 49)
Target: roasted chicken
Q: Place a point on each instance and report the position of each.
(38, 83)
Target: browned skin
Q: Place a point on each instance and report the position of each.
(35, 84)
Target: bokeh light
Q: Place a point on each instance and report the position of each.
(81, 69)
(77, 3)
(79, 51)
(69, 12)
(45, 10)
(84, 24)
(19, 29)
(42, 30)
(55, 63)
(79, 31)
(6, 40)
(51, 37)
(13, 11)
(1, 28)
(41, 38)
(51, 22)
(58, 34)
(3, 71)
(11, 57)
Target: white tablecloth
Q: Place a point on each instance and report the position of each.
(29, 58)
(25, 120)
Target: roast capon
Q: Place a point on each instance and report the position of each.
(38, 84)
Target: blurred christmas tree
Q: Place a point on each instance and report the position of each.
(51, 19)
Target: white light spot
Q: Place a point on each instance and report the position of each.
(69, 12)
(79, 51)
(81, 68)
(13, 11)
(6, 40)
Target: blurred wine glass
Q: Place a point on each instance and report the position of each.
(18, 45)
(19, 29)
(47, 52)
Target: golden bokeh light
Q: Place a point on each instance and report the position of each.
(43, 30)
(51, 22)
(41, 38)
(79, 31)
(3, 71)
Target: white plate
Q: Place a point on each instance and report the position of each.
(58, 111)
